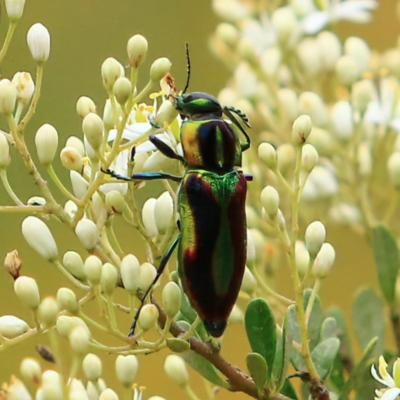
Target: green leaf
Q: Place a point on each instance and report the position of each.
(368, 319)
(258, 369)
(337, 376)
(356, 377)
(328, 329)
(315, 320)
(387, 260)
(293, 330)
(288, 390)
(324, 355)
(342, 331)
(177, 345)
(261, 330)
(204, 368)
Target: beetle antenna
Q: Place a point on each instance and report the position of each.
(188, 69)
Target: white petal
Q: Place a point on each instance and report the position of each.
(376, 376)
(391, 394)
(314, 22)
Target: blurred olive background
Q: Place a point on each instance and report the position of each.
(83, 34)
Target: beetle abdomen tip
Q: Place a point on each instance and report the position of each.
(215, 328)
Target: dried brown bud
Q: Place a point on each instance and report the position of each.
(12, 263)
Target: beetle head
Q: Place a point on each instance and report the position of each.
(198, 104)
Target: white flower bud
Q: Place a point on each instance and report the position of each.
(92, 269)
(270, 61)
(364, 159)
(11, 326)
(77, 144)
(126, 368)
(79, 184)
(16, 390)
(175, 369)
(284, 23)
(84, 106)
(236, 316)
(358, 49)
(171, 296)
(342, 119)
(27, 291)
(156, 398)
(137, 50)
(147, 274)
(130, 273)
(79, 340)
(108, 279)
(345, 214)
(361, 94)
(302, 257)
(65, 325)
(92, 367)
(251, 251)
(309, 56)
(108, 394)
(67, 300)
(38, 39)
(8, 97)
(324, 261)
(122, 89)
(289, 102)
(346, 70)
(163, 210)
(268, 154)
(51, 388)
(5, 158)
(270, 201)
(115, 202)
(87, 233)
(46, 141)
(14, 9)
(246, 49)
(39, 237)
(111, 70)
(25, 86)
(92, 127)
(159, 68)
(77, 391)
(73, 263)
(314, 237)
(309, 157)
(48, 311)
(89, 149)
(228, 34)
(148, 317)
(301, 129)
(31, 371)
(313, 106)
(329, 49)
(165, 114)
(71, 159)
(393, 167)
(148, 217)
(249, 283)
(70, 208)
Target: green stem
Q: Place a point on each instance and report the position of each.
(55, 348)
(23, 209)
(70, 277)
(60, 186)
(314, 293)
(190, 393)
(8, 188)
(111, 313)
(11, 28)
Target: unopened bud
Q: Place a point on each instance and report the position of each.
(148, 219)
(25, 86)
(122, 90)
(73, 263)
(159, 68)
(108, 279)
(38, 39)
(87, 233)
(92, 269)
(79, 184)
(14, 9)
(148, 317)
(31, 371)
(79, 340)
(163, 210)
(137, 50)
(130, 273)
(286, 156)
(358, 49)
(301, 129)
(324, 261)
(309, 157)
(329, 49)
(5, 158)
(111, 70)
(12, 263)
(77, 144)
(8, 97)
(92, 367)
(314, 237)
(66, 324)
(302, 257)
(342, 119)
(115, 201)
(27, 291)
(166, 113)
(393, 167)
(108, 394)
(346, 70)
(147, 275)
(268, 154)
(364, 159)
(46, 141)
(39, 237)
(16, 390)
(228, 34)
(48, 311)
(84, 106)
(284, 22)
(171, 296)
(270, 201)
(11, 326)
(126, 368)
(67, 300)
(288, 100)
(361, 94)
(71, 159)
(175, 369)
(249, 283)
(92, 127)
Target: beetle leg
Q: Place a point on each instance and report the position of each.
(228, 112)
(165, 149)
(248, 177)
(160, 269)
(115, 175)
(143, 176)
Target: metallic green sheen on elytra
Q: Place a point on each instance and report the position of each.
(212, 249)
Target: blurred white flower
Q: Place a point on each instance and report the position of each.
(392, 383)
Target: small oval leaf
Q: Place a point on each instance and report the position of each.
(258, 369)
(177, 345)
(324, 355)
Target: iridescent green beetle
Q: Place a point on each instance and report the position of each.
(211, 203)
